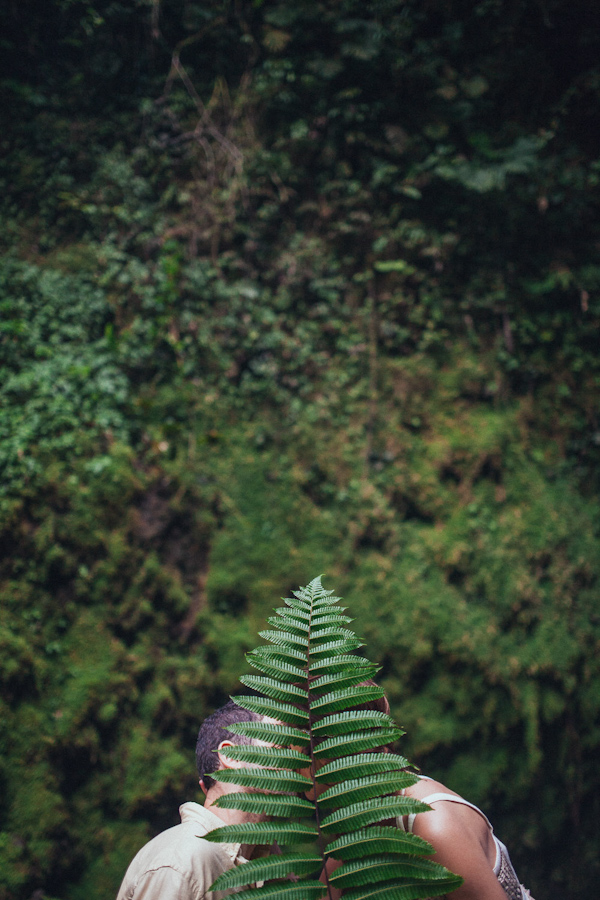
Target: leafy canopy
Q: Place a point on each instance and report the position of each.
(311, 682)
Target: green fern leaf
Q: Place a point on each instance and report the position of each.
(274, 689)
(281, 651)
(266, 756)
(350, 720)
(342, 663)
(285, 712)
(310, 683)
(378, 839)
(266, 804)
(356, 742)
(275, 780)
(357, 815)
(264, 869)
(285, 890)
(276, 668)
(363, 788)
(335, 647)
(296, 626)
(342, 679)
(263, 833)
(273, 734)
(386, 868)
(406, 889)
(346, 698)
(284, 637)
(349, 767)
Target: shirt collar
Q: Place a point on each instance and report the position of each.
(205, 821)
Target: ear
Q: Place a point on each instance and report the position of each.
(203, 787)
(224, 762)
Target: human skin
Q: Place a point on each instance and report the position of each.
(462, 841)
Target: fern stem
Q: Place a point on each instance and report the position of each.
(309, 678)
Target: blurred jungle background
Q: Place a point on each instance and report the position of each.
(290, 288)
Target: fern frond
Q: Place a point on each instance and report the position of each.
(266, 756)
(264, 869)
(263, 833)
(335, 647)
(386, 868)
(272, 734)
(343, 722)
(290, 715)
(274, 689)
(275, 780)
(356, 742)
(297, 610)
(349, 767)
(266, 804)
(332, 631)
(285, 890)
(342, 663)
(342, 679)
(298, 626)
(363, 788)
(367, 812)
(280, 651)
(284, 637)
(331, 617)
(403, 889)
(346, 698)
(378, 839)
(276, 668)
(310, 684)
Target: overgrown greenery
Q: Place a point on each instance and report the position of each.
(312, 668)
(288, 288)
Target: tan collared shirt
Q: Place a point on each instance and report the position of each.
(177, 864)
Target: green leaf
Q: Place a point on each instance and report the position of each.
(346, 698)
(260, 833)
(362, 788)
(272, 688)
(272, 734)
(341, 663)
(403, 889)
(264, 779)
(276, 668)
(370, 811)
(266, 756)
(269, 867)
(377, 839)
(284, 637)
(349, 767)
(341, 679)
(295, 625)
(287, 890)
(356, 742)
(344, 722)
(334, 648)
(267, 804)
(384, 868)
(285, 712)
(277, 652)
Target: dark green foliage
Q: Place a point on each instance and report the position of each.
(329, 304)
(324, 738)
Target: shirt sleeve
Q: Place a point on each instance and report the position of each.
(166, 883)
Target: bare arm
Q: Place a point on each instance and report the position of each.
(460, 846)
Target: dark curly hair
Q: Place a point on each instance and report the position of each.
(214, 730)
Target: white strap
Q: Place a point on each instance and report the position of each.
(434, 798)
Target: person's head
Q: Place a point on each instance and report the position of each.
(213, 736)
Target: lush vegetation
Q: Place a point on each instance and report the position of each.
(285, 289)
